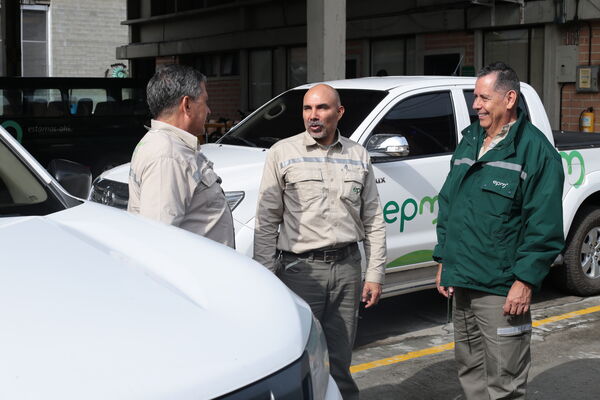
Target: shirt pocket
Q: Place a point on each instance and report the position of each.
(353, 186)
(303, 187)
(208, 178)
(498, 195)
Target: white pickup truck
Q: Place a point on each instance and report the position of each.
(100, 304)
(410, 126)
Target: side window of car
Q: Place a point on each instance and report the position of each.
(426, 122)
(469, 97)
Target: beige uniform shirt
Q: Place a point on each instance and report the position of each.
(172, 181)
(313, 197)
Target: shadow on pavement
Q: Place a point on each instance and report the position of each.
(435, 382)
(399, 315)
(576, 379)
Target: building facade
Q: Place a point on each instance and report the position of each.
(61, 37)
(252, 50)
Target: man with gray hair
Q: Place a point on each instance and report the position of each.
(499, 230)
(170, 179)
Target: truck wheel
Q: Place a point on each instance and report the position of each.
(580, 273)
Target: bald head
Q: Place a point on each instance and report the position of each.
(321, 111)
(324, 91)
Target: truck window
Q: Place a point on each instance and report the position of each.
(425, 120)
(12, 102)
(43, 103)
(473, 114)
(82, 102)
(282, 117)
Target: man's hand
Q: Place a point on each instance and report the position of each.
(518, 299)
(370, 294)
(444, 291)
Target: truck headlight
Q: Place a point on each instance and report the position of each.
(110, 193)
(318, 358)
(234, 199)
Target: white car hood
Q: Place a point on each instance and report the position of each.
(127, 308)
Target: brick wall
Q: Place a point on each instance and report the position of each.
(85, 35)
(574, 103)
(224, 97)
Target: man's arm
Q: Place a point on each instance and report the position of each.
(374, 242)
(165, 190)
(440, 228)
(442, 218)
(269, 213)
(542, 238)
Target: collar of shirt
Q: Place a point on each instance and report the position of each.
(190, 140)
(310, 141)
(500, 136)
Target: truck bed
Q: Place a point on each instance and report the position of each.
(569, 140)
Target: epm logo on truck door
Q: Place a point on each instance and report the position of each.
(574, 176)
(409, 209)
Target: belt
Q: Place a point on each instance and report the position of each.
(325, 255)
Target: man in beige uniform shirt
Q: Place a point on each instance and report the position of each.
(317, 200)
(170, 179)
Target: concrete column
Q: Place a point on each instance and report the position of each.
(326, 39)
(551, 88)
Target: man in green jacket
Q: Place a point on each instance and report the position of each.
(499, 230)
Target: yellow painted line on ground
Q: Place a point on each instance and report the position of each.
(449, 346)
(566, 316)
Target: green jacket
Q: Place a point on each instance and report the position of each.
(500, 217)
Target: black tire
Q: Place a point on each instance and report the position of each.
(580, 273)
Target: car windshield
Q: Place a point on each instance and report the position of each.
(22, 192)
(18, 186)
(282, 117)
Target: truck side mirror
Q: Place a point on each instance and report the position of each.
(387, 144)
(74, 177)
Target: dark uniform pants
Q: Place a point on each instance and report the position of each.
(332, 289)
(492, 349)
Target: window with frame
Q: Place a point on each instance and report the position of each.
(214, 65)
(11, 102)
(34, 41)
(442, 64)
(522, 49)
(426, 121)
(260, 78)
(296, 61)
(229, 64)
(390, 56)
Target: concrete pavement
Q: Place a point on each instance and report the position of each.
(404, 349)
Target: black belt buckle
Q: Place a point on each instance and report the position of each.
(330, 255)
